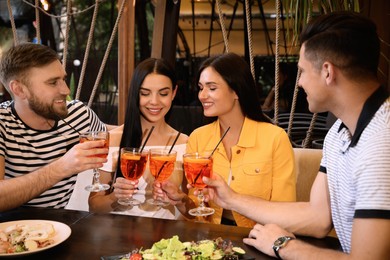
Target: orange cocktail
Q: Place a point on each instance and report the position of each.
(95, 136)
(161, 165)
(133, 163)
(96, 186)
(197, 166)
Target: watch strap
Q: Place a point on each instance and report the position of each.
(276, 248)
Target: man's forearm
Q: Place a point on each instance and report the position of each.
(297, 249)
(15, 192)
(296, 217)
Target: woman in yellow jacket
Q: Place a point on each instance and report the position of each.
(255, 156)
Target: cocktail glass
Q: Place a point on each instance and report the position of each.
(96, 186)
(133, 163)
(197, 165)
(161, 165)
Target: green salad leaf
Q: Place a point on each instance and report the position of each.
(174, 249)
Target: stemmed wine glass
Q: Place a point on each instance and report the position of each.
(96, 186)
(133, 164)
(161, 165)
(197, 165)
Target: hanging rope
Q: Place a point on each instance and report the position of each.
(277, 59)
(250, 41)
(59, 16)
(106, 54)
(309, 134)
(12, 19)
(37, 22)
(223, 27)
(67, 29)
(88, 47)
(294, 101)
(310, 11)
(294, 104)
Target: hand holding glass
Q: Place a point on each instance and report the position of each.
(162, 164)
(96, 186)
(196, 166)
(133, 164)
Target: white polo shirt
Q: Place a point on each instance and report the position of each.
(358, 167)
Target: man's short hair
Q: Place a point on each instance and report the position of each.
(18, 60)
(346, 39)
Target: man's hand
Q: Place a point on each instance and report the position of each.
(263, 237)
(79, 158)
(218, 191)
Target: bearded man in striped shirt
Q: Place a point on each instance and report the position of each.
(40, 154)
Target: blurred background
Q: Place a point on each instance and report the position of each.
(183, 31)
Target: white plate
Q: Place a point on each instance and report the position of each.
(62, 232)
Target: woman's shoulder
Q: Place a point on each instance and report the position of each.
(266, 128)
(183, 139)
(204, 129)
(116, 135)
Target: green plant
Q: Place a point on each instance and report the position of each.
(299, 12)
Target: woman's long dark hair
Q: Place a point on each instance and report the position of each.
(236, 73)
(132, 129)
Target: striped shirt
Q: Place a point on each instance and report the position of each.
(25, 149)
(358, 167)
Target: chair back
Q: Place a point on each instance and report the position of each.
(307, 164)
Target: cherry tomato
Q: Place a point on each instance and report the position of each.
(135, 257)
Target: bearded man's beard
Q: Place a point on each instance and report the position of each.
(47, 111)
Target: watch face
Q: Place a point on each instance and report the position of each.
(280, 241)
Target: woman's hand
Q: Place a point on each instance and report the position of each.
(168, 191)
(125, 188)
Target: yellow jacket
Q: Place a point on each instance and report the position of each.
(262, 163)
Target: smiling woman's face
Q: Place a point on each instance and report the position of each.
(216, 96)
(156, 96)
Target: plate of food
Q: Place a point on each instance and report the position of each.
(25, 237)
(174, 249)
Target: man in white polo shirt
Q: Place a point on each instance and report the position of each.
(338, 61)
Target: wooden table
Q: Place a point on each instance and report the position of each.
(96, 235)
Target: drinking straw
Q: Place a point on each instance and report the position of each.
(147, 138)
(215, 148)
(66, 123)
(169, 152)
(174, 142)
(220, 140)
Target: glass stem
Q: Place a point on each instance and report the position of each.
(96, 176)
(201, 199)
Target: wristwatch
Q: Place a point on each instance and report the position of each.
(280, 243)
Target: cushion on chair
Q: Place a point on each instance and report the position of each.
(307, 163)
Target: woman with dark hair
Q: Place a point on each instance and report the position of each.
(152, 90)
(255, 156)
